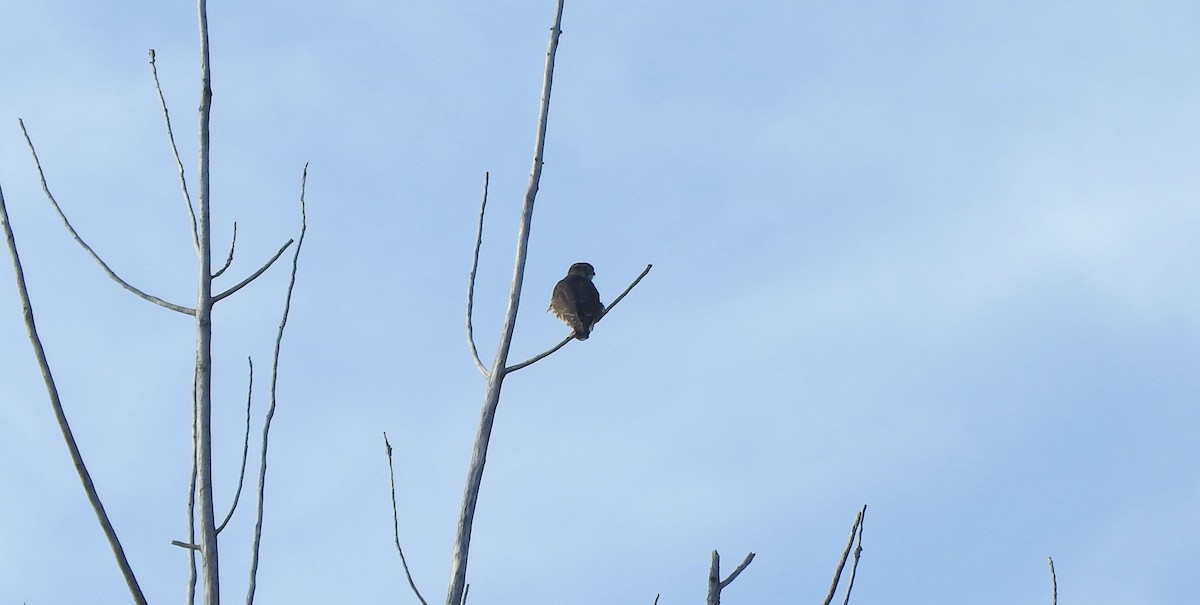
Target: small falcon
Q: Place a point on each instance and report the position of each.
(576, 301)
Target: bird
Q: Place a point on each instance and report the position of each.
(576, 301)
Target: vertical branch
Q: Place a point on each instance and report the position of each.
(471, 282)
(462, 541)
(60, 415)
(262, 465)
(237, 496)
(1053, 583)
(187, 198)
(202, 446)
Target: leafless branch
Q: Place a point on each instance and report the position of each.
(862, 515)
(715, 583)
(1053, 583)
(187, 545)
(837, 575)
(491, 399)
(187, 198)
(245, 449)
(471, 282)
(84, 477)
(656, 598)
(262, 468)
(570, 337)
(228, 259)
(396, 522)
(254, 275)
(124, 284)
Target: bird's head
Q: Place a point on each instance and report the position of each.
(583, 270)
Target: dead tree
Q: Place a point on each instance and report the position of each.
(202, 519)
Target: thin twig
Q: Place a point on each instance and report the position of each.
(857, 553)
(228, 259)
(217, 298)
(187, 545)
(262, 468)
(570, 337)
(187, 198)
(124, 284)
(191, 509)
(837, 574)
(84, 477)
(471, 282)
(1053, 583)
(396, 522)
(737, 570)
(245, 449)
(656, 598)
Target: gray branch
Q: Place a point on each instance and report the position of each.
(471, 282)
(124, 284)
(715, 583)
(396, 523)
(1053, 583)
(254, 275)
(187, 198)
(262, 467)
(84, 476)
(237, 495)
(228, 259)
(855, 530)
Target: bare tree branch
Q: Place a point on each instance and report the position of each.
(466, 519)
(862, 516)
(471, 282)
(124, 284)
(175, 151)
(237, 495)
(396, 523)
(84, 476)
(254, 275)
(837, 574)
(1053, 583)
(570, 337)
(715, 583)
(262, 468)
(228, 259)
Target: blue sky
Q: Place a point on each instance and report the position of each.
(938, 258)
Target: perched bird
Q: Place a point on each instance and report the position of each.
(576, 300)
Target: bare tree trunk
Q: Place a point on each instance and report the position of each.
(210, 569)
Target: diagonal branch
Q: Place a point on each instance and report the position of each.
(217, 298)
(862, 521)
(46, 188)
(569, 338)
(396, 522)
(228, 259)
(262, 467)
(471, 282)
(837, 574)
(63, 425)
(187, 198)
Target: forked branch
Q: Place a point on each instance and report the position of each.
(715, 583)
(75, 234)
